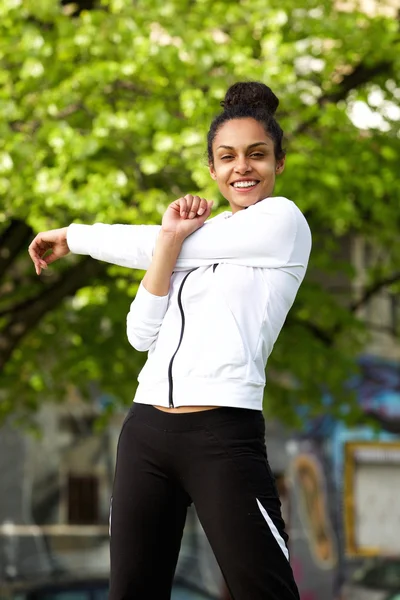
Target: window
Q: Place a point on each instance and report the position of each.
(83, 500)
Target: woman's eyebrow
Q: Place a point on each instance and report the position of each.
(248, 147)
(257, 144)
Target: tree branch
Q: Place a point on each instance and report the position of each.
(13, 240)
(327, 337)
(323, 336)
(360, 75)
(373, 289)
(30, 314)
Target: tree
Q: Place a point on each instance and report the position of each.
(104, 113)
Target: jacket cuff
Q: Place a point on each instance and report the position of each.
(79, 238)
(149, 306)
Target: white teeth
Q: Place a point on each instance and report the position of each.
(244, 184)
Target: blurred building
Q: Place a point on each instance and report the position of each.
(55, 495)
(343, 483)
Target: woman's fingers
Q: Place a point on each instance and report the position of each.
(54, 240)
(202, 206)
(207, 209)
(191, 206)
(194, 207)
(36, 250)
(183, 207)
(176, 218)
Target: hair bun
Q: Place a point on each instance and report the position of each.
(251, 93)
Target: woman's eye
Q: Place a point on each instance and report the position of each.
(226, 157)
(257, 155)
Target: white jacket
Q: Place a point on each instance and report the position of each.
(235, 280)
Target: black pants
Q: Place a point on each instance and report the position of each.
(217, 460)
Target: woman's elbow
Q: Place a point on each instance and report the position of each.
(141, 343)
(141, 333)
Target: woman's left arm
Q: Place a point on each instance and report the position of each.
(271, 234)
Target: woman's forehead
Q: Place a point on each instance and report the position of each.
(241, 132)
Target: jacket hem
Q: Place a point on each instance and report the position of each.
(233, 393)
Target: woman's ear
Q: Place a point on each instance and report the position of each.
(212, 171)
(280, 165)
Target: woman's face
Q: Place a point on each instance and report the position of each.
(244, 163)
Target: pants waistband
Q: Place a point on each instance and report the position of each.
(194, 420)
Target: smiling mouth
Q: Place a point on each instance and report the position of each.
(244, 186)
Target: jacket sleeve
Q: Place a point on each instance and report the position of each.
(125, 245)
(144, 319)
(270, 234)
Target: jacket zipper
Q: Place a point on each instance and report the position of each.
(170, 380)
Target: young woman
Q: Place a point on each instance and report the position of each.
(208, 311)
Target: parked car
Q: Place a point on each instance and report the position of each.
(378, 579)
(67, 587)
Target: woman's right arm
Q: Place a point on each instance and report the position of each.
(148, 309)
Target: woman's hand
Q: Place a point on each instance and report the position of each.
(54, 240)
(185, 215)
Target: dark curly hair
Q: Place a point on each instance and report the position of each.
(249, 99)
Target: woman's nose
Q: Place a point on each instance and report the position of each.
(242, 165)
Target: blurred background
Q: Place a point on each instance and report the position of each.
(104, 110)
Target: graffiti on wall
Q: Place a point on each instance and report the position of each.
(313, 510)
